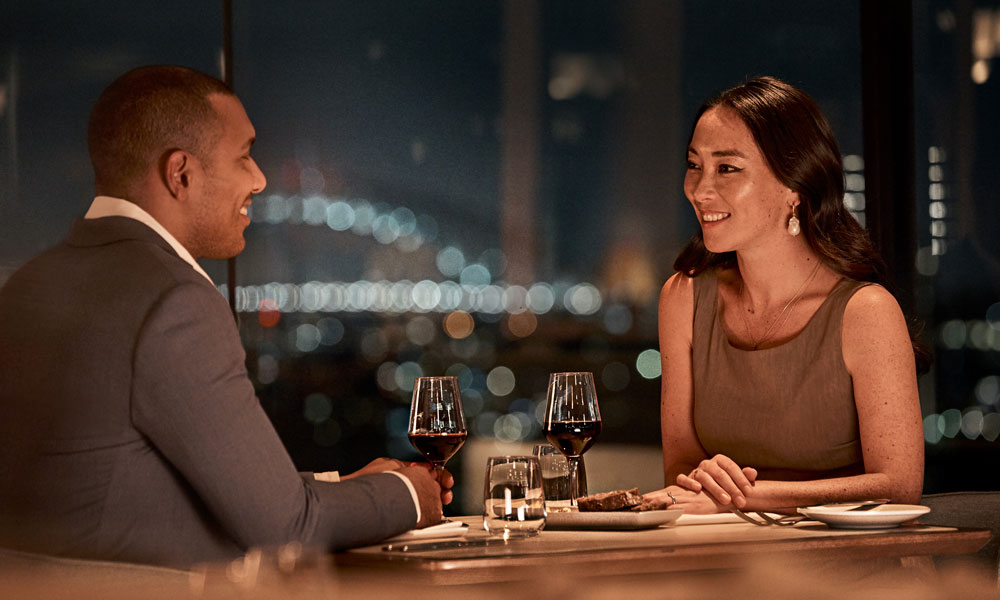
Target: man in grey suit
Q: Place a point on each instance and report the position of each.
(129, 429)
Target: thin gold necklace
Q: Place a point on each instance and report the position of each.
(782, 316)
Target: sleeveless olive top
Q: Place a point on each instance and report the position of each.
(787, 411)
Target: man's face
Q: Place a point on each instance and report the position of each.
(230, 177)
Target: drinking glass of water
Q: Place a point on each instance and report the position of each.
(514, 503)
(555, 477)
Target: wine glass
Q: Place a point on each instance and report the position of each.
(572, 420)
(437, 425)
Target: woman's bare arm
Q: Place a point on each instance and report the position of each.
(879, 356)
(681, 449)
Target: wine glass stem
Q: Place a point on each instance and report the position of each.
(574, 485)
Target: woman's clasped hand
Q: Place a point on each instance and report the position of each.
(717, 485)
(722, 479)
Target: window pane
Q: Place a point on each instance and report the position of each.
(958, 286)
(487, 189)
(58, 57)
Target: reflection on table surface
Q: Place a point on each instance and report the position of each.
(761, 577)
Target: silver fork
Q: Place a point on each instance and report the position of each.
(785, 521)
(860, 505)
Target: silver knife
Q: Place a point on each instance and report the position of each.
(442, 545)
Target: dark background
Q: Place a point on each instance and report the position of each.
(399, 106)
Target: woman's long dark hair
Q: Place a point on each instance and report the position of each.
(799, 146)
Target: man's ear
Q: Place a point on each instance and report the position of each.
(176, 173)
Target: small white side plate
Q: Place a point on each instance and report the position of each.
(885, 516)
(612, 520)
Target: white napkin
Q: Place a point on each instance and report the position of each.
(446, 529)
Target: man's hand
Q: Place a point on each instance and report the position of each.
(433, 487)
(379, 465)
(446, 481)
(433, 490)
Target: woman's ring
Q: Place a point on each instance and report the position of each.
(695, 473)
(673, 500)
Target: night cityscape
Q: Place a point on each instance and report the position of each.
(400, 235)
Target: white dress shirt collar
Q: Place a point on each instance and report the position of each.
(106, 206)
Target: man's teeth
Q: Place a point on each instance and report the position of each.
(712, 217)
(243, 211)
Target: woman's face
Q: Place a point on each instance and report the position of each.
(739, 202)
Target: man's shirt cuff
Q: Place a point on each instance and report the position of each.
(413, 492)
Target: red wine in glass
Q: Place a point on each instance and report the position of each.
(437, 424)
(572, 420)
(573, 438)
(437, 448)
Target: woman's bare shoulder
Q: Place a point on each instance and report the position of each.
(676, 309)
(870, 305)
(677, 294)
(874, 328)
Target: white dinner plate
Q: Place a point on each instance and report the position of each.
(622, 519)
(885, 516)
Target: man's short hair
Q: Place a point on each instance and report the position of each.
(145, 113)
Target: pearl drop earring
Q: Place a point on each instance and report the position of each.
(793, 223)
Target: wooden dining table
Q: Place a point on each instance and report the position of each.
(686, 546)
(694, 557)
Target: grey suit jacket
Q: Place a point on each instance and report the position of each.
(129, 429)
